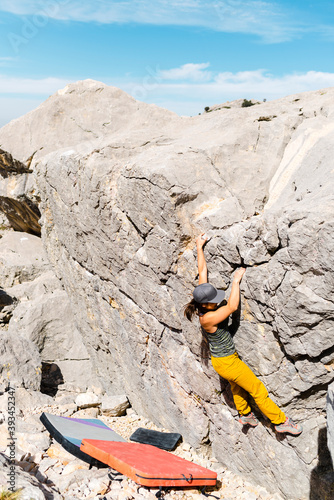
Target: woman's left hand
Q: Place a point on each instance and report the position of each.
(201, 240)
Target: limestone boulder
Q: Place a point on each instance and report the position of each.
(80, 112)
(85, 111)
(120, 213)
(20, 362)
(22, 258)
(35, 310)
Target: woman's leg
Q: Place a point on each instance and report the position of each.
(240, 399)
(236, 371)
(240, 396)
(248, 381)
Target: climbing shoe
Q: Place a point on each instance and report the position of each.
(249, 419)
(290, 427)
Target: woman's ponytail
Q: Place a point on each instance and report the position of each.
(191, 309)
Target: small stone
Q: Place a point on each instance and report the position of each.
(87, 399)
(64, 399)
(114, 406)
(74, 466)
(26, 466)
(67, 409)
(46, 463)
(32, 442)
(124, 496)
(56, 451)
(135, 418)
(86, 413)
(36, 457)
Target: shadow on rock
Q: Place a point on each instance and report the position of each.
(322, 476)
(5, 299)
(7, 305)
(227, 393)
(51, 379)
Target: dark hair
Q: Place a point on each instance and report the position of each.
(190, 310)
(193, 308)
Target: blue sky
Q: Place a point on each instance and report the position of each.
(181, 55)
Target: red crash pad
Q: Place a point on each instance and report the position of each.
(148, 465)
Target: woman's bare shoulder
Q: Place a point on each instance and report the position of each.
(207, 325)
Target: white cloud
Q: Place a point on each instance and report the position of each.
(44, 86)
(190, 97)
(265, 19)
(5, 61)
(190, 71)
(260, 83)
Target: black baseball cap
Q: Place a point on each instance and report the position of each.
(208, 294)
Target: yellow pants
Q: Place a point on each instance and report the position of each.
(243, 380)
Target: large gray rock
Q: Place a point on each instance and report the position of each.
(119, 218)
(22, 258)
(36, 313)
(20, 363)
(80, 112)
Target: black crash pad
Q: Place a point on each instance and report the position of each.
(164, 440)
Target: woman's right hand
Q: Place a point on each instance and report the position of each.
(239, 274)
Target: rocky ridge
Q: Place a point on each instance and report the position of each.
(125, 188)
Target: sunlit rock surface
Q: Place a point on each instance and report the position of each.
(125, 188)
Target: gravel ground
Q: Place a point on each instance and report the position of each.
(64, 477)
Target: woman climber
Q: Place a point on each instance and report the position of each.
(206, 303)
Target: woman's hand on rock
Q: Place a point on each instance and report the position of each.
(201, 240)
(239, 274)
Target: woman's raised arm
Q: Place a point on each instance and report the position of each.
(202, 267)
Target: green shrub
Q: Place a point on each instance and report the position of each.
(247, 104)
(206, 109)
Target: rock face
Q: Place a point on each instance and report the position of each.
(122, 201)
(36, 320)
(61, 121)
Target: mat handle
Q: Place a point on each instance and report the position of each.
(188, 480)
